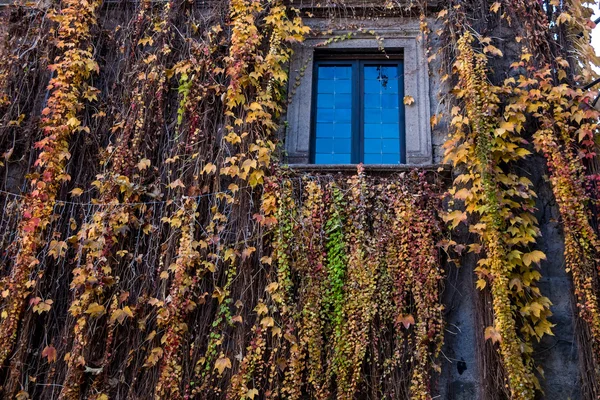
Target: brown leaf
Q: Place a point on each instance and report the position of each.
(50, 353)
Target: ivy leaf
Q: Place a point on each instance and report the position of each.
(495, 7)
(535, 256)
(177, 183)
(120, 315)
(209, 168)
(76, 192)
(455, 218)
(42, 306)
(95, 310)
(50, 353)
(409, 100)
(406, 319)
(271, 287)
(544, 327)
(493, 334)
(261, 308)
(155, 355)
(143, 164)
(57, 249)
(255, 107)
(492, 50)
(73, 122)
(251, 393)
(221, 364)
(481, 283)
(248, 252)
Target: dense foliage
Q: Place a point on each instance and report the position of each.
(152, 245)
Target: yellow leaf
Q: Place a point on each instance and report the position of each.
(76, 192)
(271, 287)
(495, 7)
(507, 126)
(73, 122)
(256, 178)
(492, 50)
(248, 164)
(493, 334)
(255, 107)
(409, 100)
(120, 315)
(481, 284)
(176, 183)
(462, 194)
(143, 164)
(261, 308)
(221, 364)
(209, 168)
(95, 310)
(544, 327)
(455, 218)
(251, 393)
(155, 355)
(535, 256)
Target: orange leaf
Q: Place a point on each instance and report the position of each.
(406, 319)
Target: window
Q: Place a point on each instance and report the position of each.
(359, 112)
(359, 133)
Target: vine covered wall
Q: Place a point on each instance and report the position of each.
(155, 245)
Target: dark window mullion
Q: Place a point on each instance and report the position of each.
(356, 113)
(361, 112)
(401, 112)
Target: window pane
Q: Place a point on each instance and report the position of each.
(343, 131)
(341, 159)
(323, 158)
(325, 130)
(333, 144)
(381, 114)
(373, 159)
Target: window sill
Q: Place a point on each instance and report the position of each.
(347, 169)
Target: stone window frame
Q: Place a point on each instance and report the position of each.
(416, 84)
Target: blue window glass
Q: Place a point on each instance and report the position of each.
(333, 136)
(359, 115)
(382, 114)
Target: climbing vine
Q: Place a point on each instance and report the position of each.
(494, 126)
(154, 245)
(69, 89)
